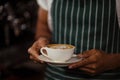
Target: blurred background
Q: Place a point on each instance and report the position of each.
(17, 28)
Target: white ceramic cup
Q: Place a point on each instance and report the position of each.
(58, 52)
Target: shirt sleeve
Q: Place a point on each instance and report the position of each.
(43, 4)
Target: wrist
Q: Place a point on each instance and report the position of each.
(48, 40)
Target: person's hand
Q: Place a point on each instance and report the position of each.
(35, 48)
(94, 62)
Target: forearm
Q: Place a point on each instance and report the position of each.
(42, 30)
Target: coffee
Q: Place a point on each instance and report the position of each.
(60, 46)
(58, 52)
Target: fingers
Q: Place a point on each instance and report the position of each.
(89, 71)
(34, 55)
(83, 62)
(91, 62)
(87, 53)
(91, 66)
(33, 52)
(80, 63)
(34, 49)
(88, 58)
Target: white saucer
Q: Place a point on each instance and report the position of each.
(61, 64)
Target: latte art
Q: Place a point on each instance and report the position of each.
(60, 46)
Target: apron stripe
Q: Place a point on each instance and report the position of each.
(92, 24)
(71, 27)
(89, 26)
(105, 26)
(65, 30)
(60, 21)
(55, 73)
(109, 11)
(49, 77)
(118, 41)
(59, 75)
(94, 44)
(102, 21)
(83, 25)
(77, 26)
(113, 37)
(56, 22)
(98, 25)
(63, 70)
(68, 23)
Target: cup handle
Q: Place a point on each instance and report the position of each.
(42, 52)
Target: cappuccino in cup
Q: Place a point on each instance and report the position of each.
(58, 52)
(60, 46)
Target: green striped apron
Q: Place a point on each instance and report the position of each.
(87, 24)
